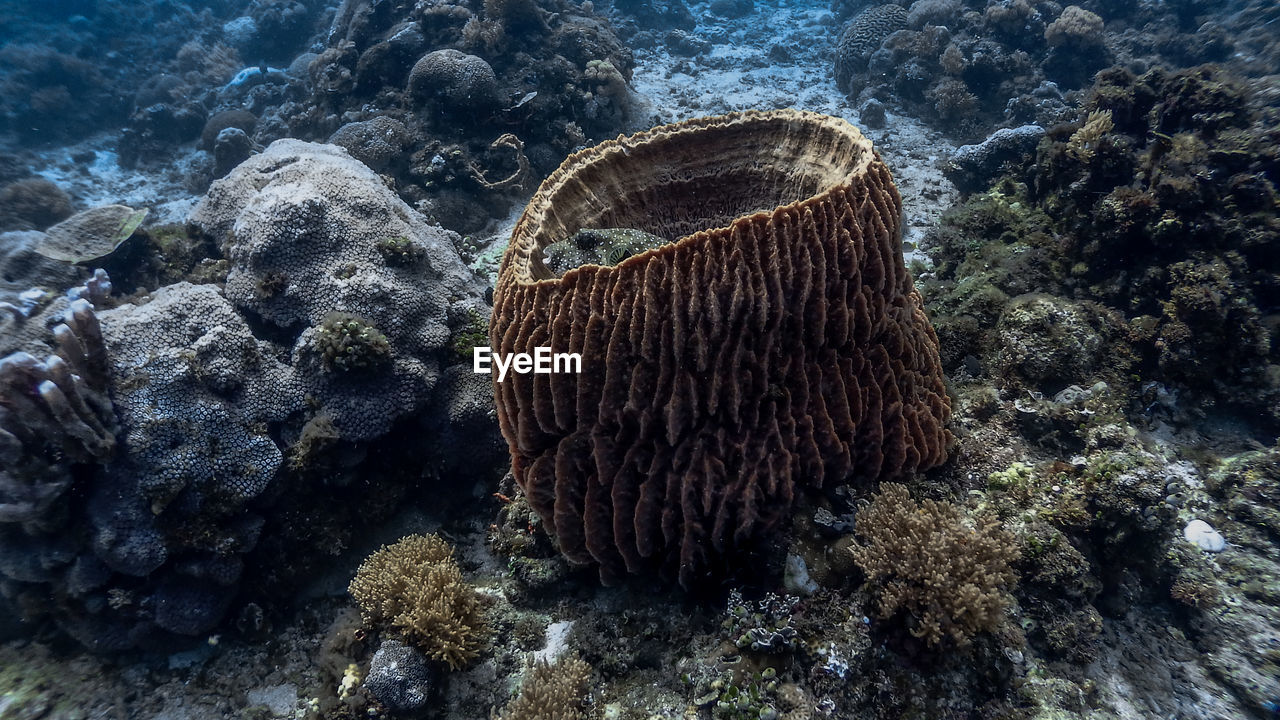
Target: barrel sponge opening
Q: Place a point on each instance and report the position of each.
(778, 343)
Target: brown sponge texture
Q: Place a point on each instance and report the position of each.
(778, 343)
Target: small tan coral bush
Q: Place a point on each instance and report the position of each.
(1075, 26)
(551, 691)
(414, 588)
(921, 557)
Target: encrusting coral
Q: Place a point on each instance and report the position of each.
(551, 691)
(778, 344)
(921, 557)
(414, 588)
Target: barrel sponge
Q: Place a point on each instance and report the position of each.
(778, 343)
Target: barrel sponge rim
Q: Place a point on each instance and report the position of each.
(615, 162)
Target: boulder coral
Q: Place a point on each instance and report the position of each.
(304, 227)
(777, 344)
(863, 36)
(456, 81)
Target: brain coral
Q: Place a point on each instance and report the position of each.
(302, 226)
(862, 36)
(459, 82)
(779, 343)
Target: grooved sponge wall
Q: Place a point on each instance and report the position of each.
(778, 344)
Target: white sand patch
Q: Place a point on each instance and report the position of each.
(90, 173)
(738, 73)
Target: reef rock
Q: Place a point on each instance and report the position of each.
(974, 167)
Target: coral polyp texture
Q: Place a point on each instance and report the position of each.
(777, 344)
(305, 228)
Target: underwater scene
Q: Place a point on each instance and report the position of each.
(639, 359)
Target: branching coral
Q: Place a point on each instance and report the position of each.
(1084, 141)
(551, 691)
(1074, 27)
(414, 588)
(921, 557)
(52, 414)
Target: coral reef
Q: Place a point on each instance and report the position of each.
(1158, 225)
(549, 75)
(304, 228)
(32, 204)
(287, 381)
(974, 167)
(161, 526)
(710, 406)
(414, 589)
(971, 66)
(208, 398)
(921, 558)
(45, 90)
